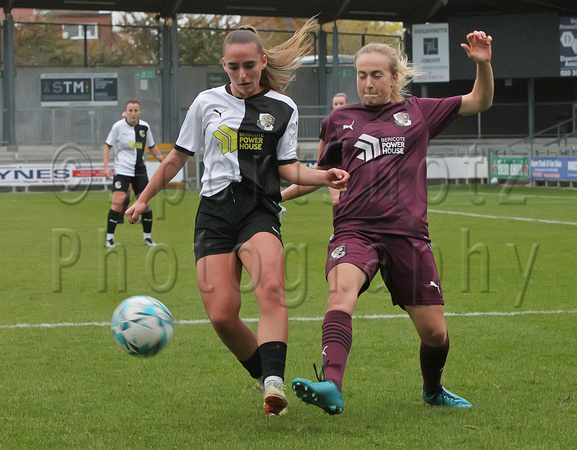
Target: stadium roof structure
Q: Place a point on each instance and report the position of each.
(407, 11)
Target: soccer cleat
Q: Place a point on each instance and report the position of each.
(150, 242)
(275, 401)
(446, 398)
(109, 243)
(324, 394)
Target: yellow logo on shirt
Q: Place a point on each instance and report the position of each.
(250, 141)
(135, 145)
(227, 139)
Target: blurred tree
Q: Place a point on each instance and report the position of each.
(273, 30)
(353, 34)
(200, 38)
(41, 44)
(135, 39)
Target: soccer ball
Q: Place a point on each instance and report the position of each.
(494, 180)
(142, 326)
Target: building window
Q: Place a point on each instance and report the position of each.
(76, 31)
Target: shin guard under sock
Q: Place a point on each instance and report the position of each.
(147, 222)
(113, 217)
(253, 365)
(432, 364)
(337, 340)
(273, 356)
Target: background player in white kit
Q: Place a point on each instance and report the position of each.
(129, 138)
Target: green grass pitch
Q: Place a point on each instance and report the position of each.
(507, 259)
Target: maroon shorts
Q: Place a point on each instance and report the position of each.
(407, 264)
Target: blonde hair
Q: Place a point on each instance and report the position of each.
(398, 64)
(283, 60)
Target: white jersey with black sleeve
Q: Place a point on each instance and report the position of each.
(129, 143)
(244, 140)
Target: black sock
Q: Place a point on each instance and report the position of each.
(273, 355)
(253, 365)
(147, 222)
(432, 364)
(113, 217)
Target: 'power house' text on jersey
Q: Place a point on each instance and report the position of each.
(129, 144)
(384, 149)
(244, 140)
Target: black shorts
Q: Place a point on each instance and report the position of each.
(228, 219)
(407, 264)
(122, 182)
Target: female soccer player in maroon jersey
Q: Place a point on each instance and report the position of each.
(380, 222)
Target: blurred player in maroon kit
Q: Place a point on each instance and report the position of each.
(339, 99)
(380, 222)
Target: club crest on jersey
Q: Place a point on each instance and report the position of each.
(402, 119)
(338, 252)
(142, 133)
(265, 121)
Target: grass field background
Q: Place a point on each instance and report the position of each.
(507, 260)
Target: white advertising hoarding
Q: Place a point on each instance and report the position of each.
(67, 173)
(431, 52)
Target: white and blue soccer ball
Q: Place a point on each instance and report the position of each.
(142, 326)
(494, 180)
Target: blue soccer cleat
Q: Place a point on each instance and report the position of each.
(446, 398)
(324, 394)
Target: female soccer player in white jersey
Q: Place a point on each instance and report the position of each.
(380, 222)
(129, 138)
(248, 129)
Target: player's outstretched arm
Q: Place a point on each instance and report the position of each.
(171, 165)
(298, 173)
(296, 191)
(481, 97)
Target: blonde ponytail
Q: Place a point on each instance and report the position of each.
(283, 59)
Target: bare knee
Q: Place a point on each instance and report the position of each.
(341, 301)
(433, 337)
(223, 322)
(223, 312)
(270, 294)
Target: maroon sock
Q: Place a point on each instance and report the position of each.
(337, 341)
(432, 364)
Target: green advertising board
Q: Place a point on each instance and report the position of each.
(510, 167)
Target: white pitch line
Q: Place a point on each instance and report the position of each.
(487, 216)
(297, 319)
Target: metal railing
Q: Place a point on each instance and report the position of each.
(90, 126)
